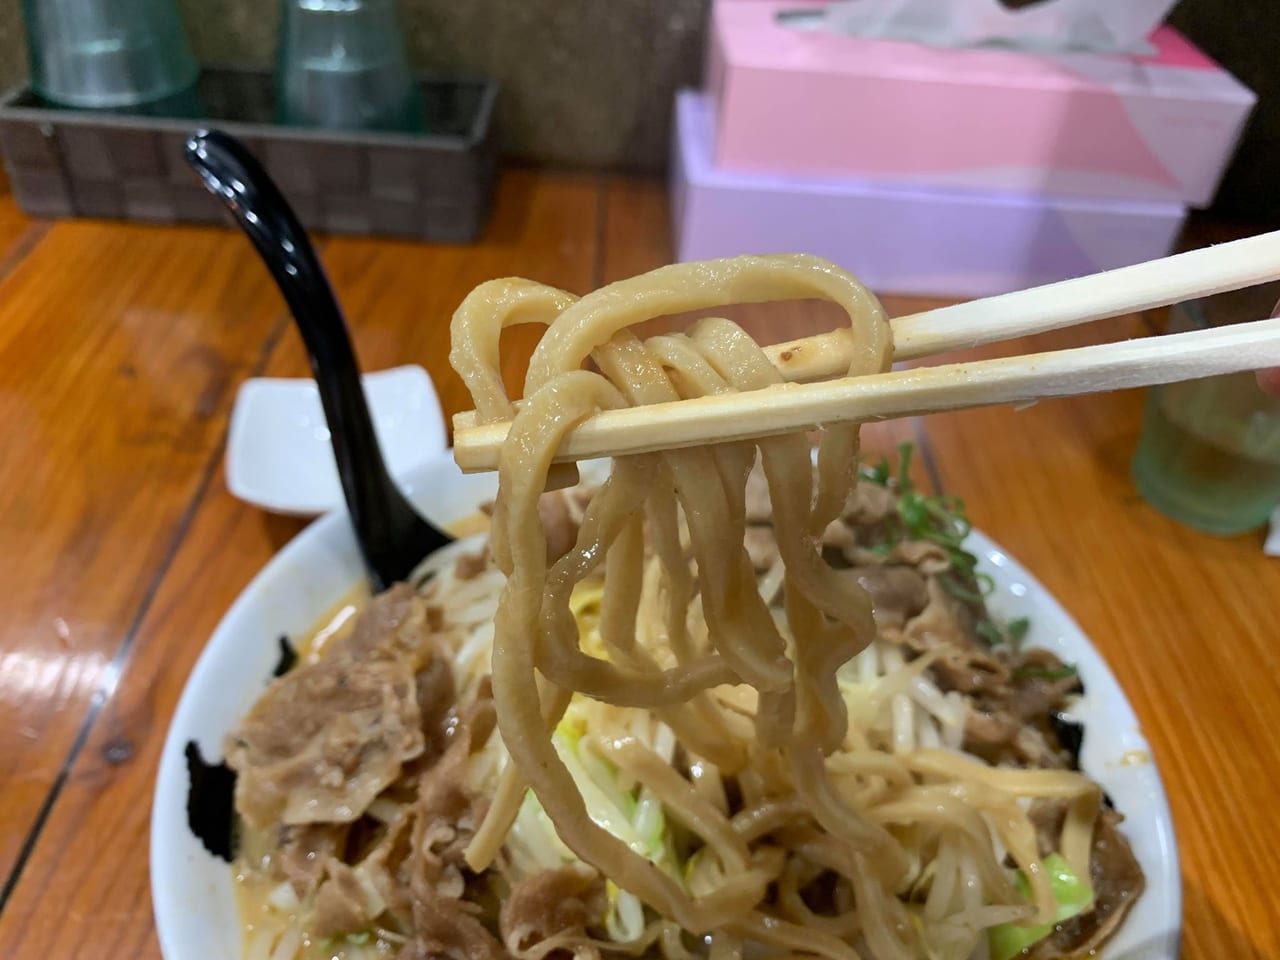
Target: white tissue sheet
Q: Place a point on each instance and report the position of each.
(1101, 26)
(1272, 546)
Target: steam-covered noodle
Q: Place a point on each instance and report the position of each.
(743, 702)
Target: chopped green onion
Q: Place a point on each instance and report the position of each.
(958, 589)
(941, 520)
(877, 473)
(1073, 894)
(905, 450)
(989, 632)
(1017, 630)
(1009, 635)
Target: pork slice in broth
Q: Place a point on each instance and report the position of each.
(324, 740)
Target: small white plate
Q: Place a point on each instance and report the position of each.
(278, 452)
(192, 892)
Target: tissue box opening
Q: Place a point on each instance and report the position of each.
(1159, 127)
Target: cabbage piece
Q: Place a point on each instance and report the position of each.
(1073, 894)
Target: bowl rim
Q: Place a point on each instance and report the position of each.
(331, 536)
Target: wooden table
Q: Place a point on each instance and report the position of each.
(121, 348)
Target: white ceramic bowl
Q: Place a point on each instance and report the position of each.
(192, 891)
(278, 451)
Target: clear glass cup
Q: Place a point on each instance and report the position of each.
(1209, 453)
(108, 54)
(342, 64)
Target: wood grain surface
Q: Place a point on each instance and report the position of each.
(121, 348)
(18, 234)
(117, 383)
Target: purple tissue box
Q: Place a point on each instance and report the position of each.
(902, 239)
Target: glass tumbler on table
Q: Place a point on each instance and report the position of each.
(342, 64)
(109, 54)
(1209, 453)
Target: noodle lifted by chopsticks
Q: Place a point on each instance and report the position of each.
(915, 836)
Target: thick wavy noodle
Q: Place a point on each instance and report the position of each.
(908, 835)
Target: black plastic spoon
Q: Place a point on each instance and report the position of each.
(393, 538)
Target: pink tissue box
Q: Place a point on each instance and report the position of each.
(1159, 127)
(940, 241)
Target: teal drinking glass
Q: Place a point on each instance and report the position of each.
(1209, 453)
(108, 54)
(342, 64)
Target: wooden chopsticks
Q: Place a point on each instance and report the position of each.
(795, 406)
(1156, 283)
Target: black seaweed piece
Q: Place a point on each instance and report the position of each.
(211, 803)
(1070, 736)
(288, 657)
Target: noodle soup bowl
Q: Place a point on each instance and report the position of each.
(193, 890)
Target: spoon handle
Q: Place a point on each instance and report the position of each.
(392, 536)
